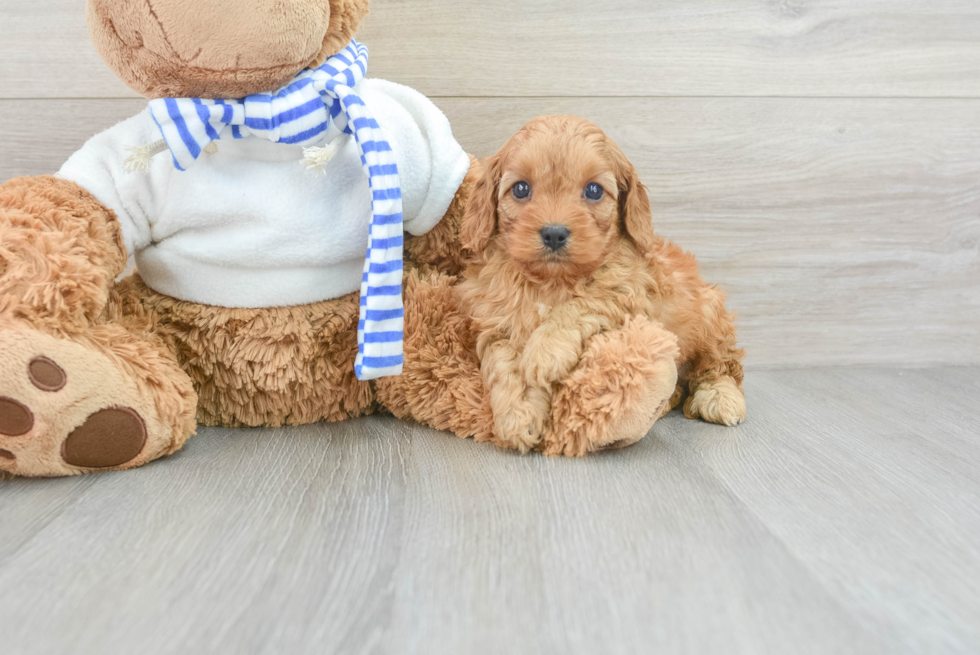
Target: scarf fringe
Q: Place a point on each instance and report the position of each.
(315, 159)
(140, 157)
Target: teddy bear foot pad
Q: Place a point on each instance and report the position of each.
(67, 408)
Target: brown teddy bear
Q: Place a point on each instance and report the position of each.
(247, 192)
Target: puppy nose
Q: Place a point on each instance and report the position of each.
(555, 237)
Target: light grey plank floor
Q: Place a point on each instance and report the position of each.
(843, 517)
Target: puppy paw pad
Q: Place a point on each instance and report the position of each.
(46, 375)
(15, 418)
(107, 438)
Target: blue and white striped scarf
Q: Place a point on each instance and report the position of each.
(300, 114)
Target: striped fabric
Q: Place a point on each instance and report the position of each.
(300, 114)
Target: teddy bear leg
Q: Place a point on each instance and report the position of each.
(83, 388)
(624, 382)
(264, 367)
(441, 385)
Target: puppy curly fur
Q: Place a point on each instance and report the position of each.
(536, 310)
(582, 347)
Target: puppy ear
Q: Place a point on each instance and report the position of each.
(480, 219)
(346, 17)
(634, 205)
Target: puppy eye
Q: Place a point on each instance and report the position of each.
(521, 190)
(594, 192)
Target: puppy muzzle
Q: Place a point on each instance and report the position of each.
(555, 237)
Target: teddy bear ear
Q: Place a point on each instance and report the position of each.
(346, 17)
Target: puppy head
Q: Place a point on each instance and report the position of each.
(558, 198)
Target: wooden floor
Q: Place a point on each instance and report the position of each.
(843, 517)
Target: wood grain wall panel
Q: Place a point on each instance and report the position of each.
(845, 231)
(584, 48)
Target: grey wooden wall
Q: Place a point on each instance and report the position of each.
(822, 157)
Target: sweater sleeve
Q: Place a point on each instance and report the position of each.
(99, 168)
(449, 162)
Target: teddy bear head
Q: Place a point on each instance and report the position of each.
(218, 48)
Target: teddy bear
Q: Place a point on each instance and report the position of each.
(265, 166)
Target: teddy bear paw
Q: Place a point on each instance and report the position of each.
(609, 411)
(67, 408)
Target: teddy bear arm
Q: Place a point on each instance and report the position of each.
(100, 167)
(625, 381)
(440, 247)
(442, 384)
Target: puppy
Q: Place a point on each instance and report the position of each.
(564, 250)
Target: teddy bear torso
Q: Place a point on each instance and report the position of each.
(249, 265)
(248, 226)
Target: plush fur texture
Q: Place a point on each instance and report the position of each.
(218, 48)
(536, 310)
(621, 386)
(261, 367)
(60, 251)
(441, 385)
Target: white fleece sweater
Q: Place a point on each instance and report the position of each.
(249, 226)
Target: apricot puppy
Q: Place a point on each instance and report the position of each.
(565, 251)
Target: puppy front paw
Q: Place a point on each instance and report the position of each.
(522, 424)
(548, 360)
(720, 401)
